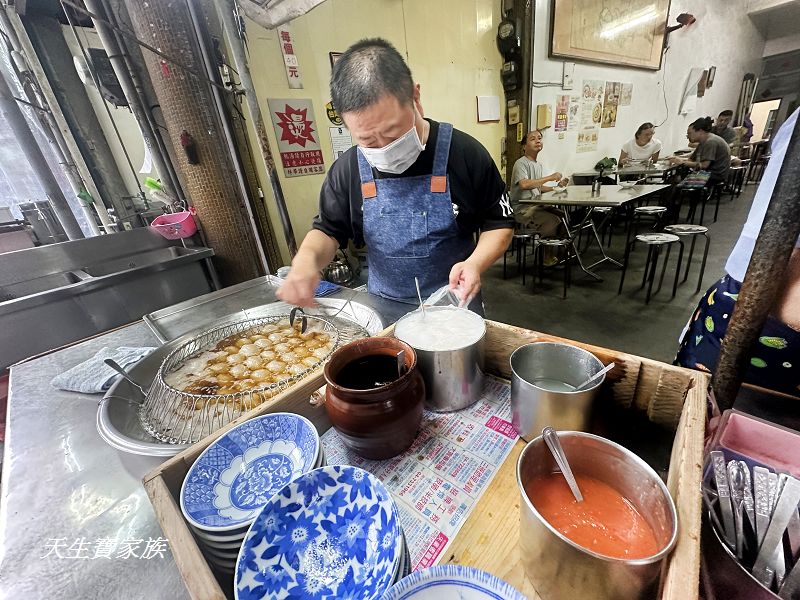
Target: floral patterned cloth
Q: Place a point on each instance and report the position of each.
(775, 358)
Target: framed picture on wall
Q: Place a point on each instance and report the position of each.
(616, 32)
(712, 73)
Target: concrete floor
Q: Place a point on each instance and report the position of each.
(595, 314)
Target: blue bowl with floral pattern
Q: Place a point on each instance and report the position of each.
(333, 532)
(232, 480)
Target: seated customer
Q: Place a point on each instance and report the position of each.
(722, 127)
(775, 357)
(712, 153)
(642, 146)
(528, 183)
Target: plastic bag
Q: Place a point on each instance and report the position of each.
(444, 296)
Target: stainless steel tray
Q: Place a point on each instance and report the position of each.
(118, 412)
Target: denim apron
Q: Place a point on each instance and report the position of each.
(410, 228)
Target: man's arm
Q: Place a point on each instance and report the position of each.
(315, 253)
(530, 184)
(466, 275)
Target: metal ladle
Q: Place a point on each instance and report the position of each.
(551, 439)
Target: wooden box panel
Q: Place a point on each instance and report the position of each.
(668, 395)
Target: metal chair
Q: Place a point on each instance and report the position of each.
(519, 243)
(688, 229)
(655, 242)
(538, 253)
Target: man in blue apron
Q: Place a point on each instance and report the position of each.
(414, 190)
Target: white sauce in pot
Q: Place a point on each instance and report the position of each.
(440, 329)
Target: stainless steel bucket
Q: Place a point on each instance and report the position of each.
(560, 569)
(535, 406)
(453, 377)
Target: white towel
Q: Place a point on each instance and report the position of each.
(93, 376)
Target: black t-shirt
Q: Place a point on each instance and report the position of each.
(476, 189)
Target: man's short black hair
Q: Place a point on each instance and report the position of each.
(367, 71)
(524, 141)
(726, 113)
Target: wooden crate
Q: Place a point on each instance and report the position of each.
(668, 395)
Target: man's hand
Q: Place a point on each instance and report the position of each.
(316, 251)
(555, 176)
(298, 288)
(564, 182)
(465, 277)
(677, 160)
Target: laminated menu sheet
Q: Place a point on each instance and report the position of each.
(440, 478)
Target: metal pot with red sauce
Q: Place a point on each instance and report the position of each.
(605, 522)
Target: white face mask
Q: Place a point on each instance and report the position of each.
(397, 156)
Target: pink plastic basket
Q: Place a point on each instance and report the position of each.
(176, 225)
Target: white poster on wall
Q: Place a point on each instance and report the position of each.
(587, 139)
(592, 102)
(340, 140)
(573, 123)
(298, 140)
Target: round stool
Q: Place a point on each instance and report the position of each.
(519, 242)
(688, 229)
(655, 242)
(607, 214)
(539, 253)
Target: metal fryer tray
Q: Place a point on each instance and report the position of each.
(117, 415)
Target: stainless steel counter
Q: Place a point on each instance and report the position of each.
(62, 484)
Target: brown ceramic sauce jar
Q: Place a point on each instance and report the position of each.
(380, 422)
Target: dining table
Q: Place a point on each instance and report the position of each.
(660, 169)
(582, 196)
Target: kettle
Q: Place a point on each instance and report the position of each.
(339, 271)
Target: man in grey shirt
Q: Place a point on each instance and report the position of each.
(712, 153)
(722, 127)
(528, 183)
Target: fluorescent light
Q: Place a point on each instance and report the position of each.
(643, 17)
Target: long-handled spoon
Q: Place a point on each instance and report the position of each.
(419, 295)
(551, 439)
(596, 376)
(114, 365)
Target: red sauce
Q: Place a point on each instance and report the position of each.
(605, 522)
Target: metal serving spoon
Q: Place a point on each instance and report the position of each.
(551, 439)
(114, 365)
(596, 376)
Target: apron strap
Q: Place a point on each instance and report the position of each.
(368, 187)
(439, 176)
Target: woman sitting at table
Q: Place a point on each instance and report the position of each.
(528, 183)
(712, 155)
(642, 146)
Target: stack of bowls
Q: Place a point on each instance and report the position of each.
(230, 482)
(331, 533)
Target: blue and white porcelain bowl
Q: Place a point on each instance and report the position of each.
(238, 473)
(452, 582)
(331, 533)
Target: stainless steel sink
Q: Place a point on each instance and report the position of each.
(140, 259)
(37, 285)
(60, 293)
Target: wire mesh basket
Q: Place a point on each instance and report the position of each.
(178, 417)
